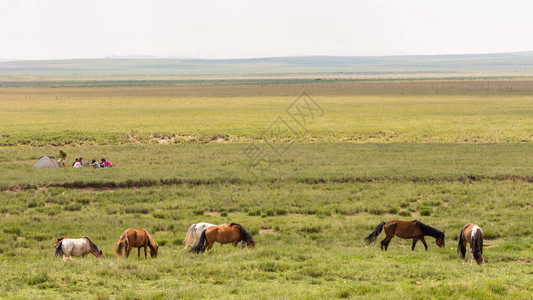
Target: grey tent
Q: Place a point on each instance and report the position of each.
(45, 162)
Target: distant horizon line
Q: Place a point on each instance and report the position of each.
(155, 57)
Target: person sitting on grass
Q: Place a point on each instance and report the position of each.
(95, 164)
(77, 163)
(106, 163)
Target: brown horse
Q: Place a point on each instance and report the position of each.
(406, 230)
(234, 233)
(136, 238)
(472, 234)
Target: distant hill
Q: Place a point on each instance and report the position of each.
(498, 64)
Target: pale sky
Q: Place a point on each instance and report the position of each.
(54, 29)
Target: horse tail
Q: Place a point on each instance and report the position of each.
(477, 243)
(374, 235)
(121, 244)
(461, 248)
(200, 247)
(190, 236)
(59, 249)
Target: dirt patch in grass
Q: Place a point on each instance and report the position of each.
(267, 231)
(212, 213)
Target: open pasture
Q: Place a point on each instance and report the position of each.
(361, 112)
(444, 159)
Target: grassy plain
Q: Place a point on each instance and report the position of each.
(381, 151)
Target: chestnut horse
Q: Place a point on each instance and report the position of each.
(234, 233)
(415, 230)
(472, 234)
(68, 247)
(136, 238)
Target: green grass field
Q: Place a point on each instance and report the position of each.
(380, 151)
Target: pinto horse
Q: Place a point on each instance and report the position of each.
(472, 234)
(415, 230)
(139, 238)
(234, 233)
(68, 247)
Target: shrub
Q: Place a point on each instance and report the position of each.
(376, 211)
(138, 210)
(425, 211)
(404, 213)
(158, 215)
(198, 212)
(38, 278)
(13, 229)
(393, 210)
(254, 212)
(281, 211)
(73, 207)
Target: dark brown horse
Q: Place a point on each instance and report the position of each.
(234, 233)
(415, 230)
(139, 238)
(472, 234)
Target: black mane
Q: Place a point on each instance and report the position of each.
(93, 245)
(245, 235)
(428, 230)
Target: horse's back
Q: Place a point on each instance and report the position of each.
(468, 230)
(403, 229)
(75, 247)
(222, 233)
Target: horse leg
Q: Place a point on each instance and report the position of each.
(210, 244)
(470, 254)
(145, 257)
(415, 239)
(128, 250)
(389, 234)
(138, 253)
(385, 243)
(424, 242)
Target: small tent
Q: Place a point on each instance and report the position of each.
(46, 162)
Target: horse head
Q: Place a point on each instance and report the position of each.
(250, 243)
(153, 250)
(440, 240)
(246, 237)
(100, 254)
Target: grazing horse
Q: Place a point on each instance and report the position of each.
(195, 231)
(415, 230)
(68, 247)
(472, 234)
(139, 238)
(234, 233)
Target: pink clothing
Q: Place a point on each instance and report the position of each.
(78, 164)
(107, 163)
